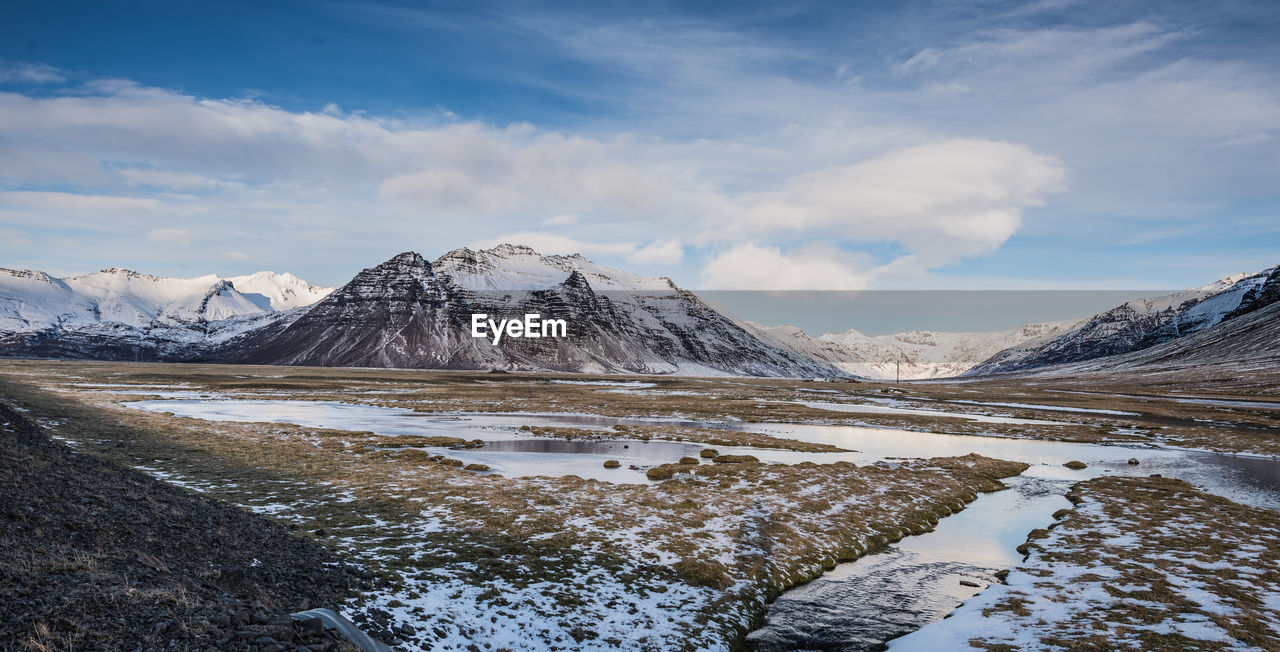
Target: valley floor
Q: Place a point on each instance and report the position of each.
(464, 557)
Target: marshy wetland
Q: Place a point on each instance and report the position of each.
(483, 504)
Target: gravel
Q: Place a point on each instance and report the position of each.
(95, 556)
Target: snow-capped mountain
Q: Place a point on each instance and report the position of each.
(509, 267)
(122, 309)
(127, 297)
(409, 312)
(279, 291)
(31, 300)
(1245, 342)
(1142, 324)
(912, 354)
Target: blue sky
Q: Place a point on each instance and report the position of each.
(1051, 144)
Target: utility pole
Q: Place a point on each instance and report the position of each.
(897, 380)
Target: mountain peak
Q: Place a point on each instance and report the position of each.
(127, 273)
(576, 280)
(506, 250)
(27, 273)
(407, 259)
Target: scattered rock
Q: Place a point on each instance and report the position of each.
(310, 627)
(1133, 461)
(476, 467)
(708, 453)
(663, 472)
(689, 461)
(228, 562)
(612, 464)
(1075, 465)
(151, 561)
(970, 584)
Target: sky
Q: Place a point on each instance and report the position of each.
(728, 145)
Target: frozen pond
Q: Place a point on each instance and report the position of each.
(1050, 408)
(859, 605)
(1249, 480)
(507, 450)
(1194, 400)
(871, 408)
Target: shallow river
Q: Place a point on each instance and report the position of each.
(859, 605)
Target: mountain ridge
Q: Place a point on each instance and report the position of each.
(1142, 324)
(410, 312)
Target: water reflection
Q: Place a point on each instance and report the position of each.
(860, 605)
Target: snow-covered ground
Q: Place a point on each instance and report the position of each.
(1142, 563)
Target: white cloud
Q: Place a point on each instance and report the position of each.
(755, 267)
(264, 169)
(170, 236)
(37, 163)
(566, 219)
(72, 204)
(658, 253)
(36, 73)
(944, 200)
(167, 180)
(14, 237)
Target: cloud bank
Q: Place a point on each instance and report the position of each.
(723, 155)
(190, 171)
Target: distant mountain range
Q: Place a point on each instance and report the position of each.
(413, 313)
(1144, 324)
(407, 312)
(118, 314)
(912, 355)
